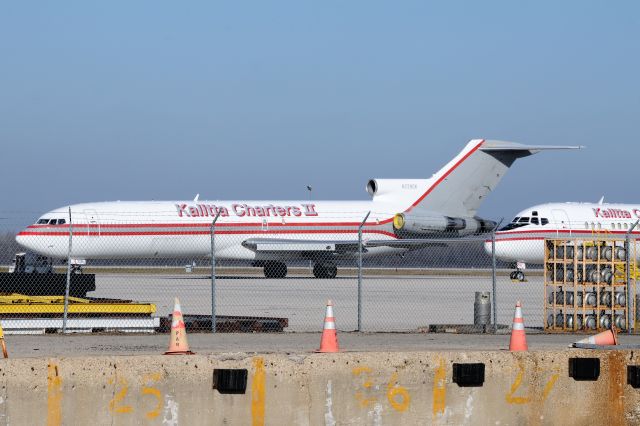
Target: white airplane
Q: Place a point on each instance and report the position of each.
(405, 213)
(522, 240)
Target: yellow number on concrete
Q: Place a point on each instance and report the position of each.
(258, 392)
(148, 390)
(398, 396)
(367, 384)
(439, 389)
(511, 399)
(114, 404)
(514, 388)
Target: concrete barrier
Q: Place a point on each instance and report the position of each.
(415, 388)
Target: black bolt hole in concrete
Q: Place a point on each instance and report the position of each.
(468, 375)
(230, 380)
(633, 376)
(584, 369)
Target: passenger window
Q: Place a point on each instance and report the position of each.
(619, 225)
(544, 221)
(625, 226)
(613, 225)
(593, 225)
(599, 225)
(586, 225)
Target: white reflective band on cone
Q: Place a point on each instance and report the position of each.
(329, 311)
(518, 312)
(329, 325)
(518, 326)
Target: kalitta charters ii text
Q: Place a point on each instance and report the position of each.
(242, 210)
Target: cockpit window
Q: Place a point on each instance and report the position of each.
(53, 221)
(61, 221)
(520, 221)
(517, 222)
(42, 222)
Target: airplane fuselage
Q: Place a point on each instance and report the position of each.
(183, 228)
(522, 240)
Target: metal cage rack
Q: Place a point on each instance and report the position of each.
(586, 285)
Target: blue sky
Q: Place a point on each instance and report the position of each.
(255, 100)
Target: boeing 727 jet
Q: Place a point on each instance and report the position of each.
(404, 215)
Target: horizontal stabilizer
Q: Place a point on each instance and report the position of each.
(495, 145)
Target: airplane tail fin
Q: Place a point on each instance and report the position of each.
(459, 188)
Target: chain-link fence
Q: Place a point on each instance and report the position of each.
(124, 275)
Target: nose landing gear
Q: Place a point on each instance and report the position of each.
(518, 275)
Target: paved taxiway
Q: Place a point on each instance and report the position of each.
(389, 303)
(294, 343)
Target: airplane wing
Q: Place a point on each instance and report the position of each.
(284, 246)
(311, 248)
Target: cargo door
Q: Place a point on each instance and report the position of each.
(93, 222)
(561, 219)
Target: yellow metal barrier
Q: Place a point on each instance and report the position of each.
(22, 304)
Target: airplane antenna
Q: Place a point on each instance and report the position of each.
(195, 200)
(309, 188)
(601, 200)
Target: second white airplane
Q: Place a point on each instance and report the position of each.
(522, 240)
(405, 213)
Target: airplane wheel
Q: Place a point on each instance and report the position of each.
(332, 271)
(275, 270)
(323, 270)
(520, 276)
(512, 275)
(319, 270)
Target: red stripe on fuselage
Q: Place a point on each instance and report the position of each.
(255, 232)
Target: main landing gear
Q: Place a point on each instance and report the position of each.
(325, 270)
(274, 269)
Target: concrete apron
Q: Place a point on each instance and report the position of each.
(414, 388)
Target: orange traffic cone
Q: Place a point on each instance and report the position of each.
(329, 340)
(178, 344)
(518, 338)
(606, 338)
(4, 345)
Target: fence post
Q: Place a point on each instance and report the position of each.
(66, 290)
(494, 286)
(213, 273)
(360, 270)
(627, 249)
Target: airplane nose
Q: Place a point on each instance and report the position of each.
(488, 247)
(22, 240)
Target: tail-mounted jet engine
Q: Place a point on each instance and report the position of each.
(407, 224)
